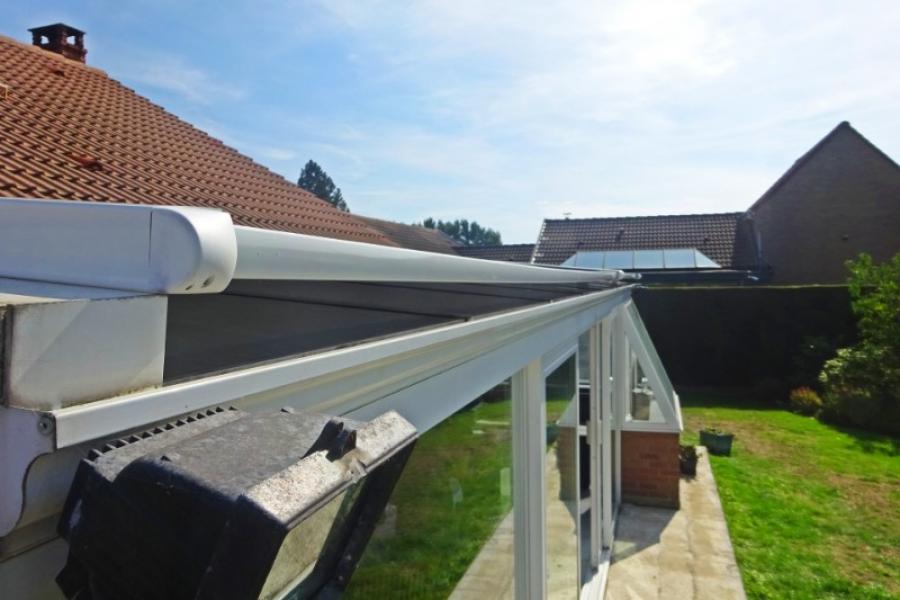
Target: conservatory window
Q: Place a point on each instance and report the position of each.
(562, 481)
(448, 528)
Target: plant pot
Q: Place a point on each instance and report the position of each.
(717, 442)
(687, 460)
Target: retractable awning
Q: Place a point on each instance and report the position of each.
(180, 250)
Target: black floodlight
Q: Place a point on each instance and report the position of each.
(226, 504)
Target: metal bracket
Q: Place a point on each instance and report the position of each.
(23, 438)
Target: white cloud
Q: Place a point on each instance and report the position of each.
(619, 107)
(278, 154)
(174, 75)
(508, 112)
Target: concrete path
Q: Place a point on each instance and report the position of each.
(674, 555)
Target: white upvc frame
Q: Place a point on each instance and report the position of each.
(344, 381)
(424, 375)
(529, 499)
(595, 428)
(558, 355)
(635, 339)
(606, 466)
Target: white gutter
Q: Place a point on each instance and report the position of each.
(186, 250)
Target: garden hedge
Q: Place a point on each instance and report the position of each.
(740, 336)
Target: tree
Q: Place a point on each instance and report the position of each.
(316, 181)
(464, 232)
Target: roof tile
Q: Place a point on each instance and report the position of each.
(507, 252)
(70, 131)
(413, 237)
(712, 234)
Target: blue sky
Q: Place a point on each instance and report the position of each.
(509, 112)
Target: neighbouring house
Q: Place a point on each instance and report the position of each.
(662, 248)
(839, 199)
(520, 253)
(72, 132)
(412, 237)
(196, 349)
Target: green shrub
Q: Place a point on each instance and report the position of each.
(862, 388)
(862, 383)
(875, 300)
(805, 401)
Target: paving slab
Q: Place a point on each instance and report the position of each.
(680, 554)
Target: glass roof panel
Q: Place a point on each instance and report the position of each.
(590, 259)
(619, 259)
(648, 259)
(666, 258)
(679, 258)
(705, 261)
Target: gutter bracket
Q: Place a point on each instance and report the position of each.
(22, 441)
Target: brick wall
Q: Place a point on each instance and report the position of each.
(843, 200)
(650, 472)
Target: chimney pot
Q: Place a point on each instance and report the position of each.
(55, 38)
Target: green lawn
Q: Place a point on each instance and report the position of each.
(813, 510)
(450, 499)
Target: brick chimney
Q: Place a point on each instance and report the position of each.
(61, 39)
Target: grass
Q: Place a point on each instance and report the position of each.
(813, 510)
(452, 495)
(448, 502)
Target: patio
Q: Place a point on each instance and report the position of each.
(663, 553)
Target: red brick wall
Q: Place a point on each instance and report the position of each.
(650, 471)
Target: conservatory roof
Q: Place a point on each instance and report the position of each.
(639, 260)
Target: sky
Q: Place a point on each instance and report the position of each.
(508, 112)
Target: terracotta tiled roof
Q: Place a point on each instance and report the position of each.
(712, 234)
(413, 237)
(508, 252)
(69, 131)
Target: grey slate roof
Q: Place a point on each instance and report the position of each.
(508, 252)
(712, 234)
